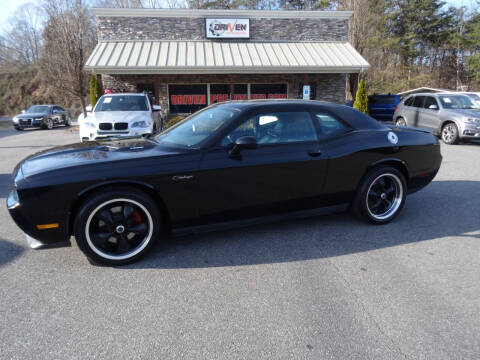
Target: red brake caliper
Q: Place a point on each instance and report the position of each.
(138, 217)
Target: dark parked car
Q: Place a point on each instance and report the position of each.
(382, 107)
(43, 116)
(231, 161)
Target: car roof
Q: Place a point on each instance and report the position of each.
(352, 117)
(123, 94)
(438, 94)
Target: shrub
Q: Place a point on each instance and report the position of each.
(361, 99)
(95, 89)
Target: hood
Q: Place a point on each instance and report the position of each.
(31, 115)
(86, 153)
(120, 116)
(475, 113)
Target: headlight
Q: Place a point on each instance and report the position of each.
(89, 124)
(473, 120)
(15, 119)
(12, 199)
(140, 124)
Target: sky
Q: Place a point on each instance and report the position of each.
(8, 7)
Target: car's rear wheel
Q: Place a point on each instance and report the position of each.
(450, 133)
(381, 195)
(401, 122)
(67, 120)
(118, 226)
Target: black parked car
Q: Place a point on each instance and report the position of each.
(43, 116)
(231, 161)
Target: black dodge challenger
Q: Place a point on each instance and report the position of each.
(229, 163)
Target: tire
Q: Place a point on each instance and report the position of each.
(67, 121)
(450, 133)
(377, 203)
(401, 122)
(118, 226)
(48, 125)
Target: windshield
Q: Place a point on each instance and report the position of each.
(457, 102)
(122, 103)
(197, 127)
(38, 109)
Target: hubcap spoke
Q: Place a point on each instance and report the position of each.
(137, 229)
(101, 238)
(128, 211)
(123, 243)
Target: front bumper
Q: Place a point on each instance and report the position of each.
(90, 134)
(28, 217)
(28, 124)
(469, 131)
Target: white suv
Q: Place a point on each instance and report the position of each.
(125, 114)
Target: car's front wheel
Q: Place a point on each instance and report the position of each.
(117, 227)
(401, 122)
(381, 195)
(48, 124)
(450, 133)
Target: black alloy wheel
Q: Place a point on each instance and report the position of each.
(117, 227)
(381, 195)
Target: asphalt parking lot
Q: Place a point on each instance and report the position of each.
(318, 288)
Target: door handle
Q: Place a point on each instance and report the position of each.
(314, 153)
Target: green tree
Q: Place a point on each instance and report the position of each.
(95, 89)
(361, 100)
(93, 97)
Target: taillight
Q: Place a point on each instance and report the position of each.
(395, 108)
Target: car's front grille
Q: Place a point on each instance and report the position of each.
(27, 122)
(105, 126)
(121, 126)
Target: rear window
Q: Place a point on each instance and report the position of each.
(382, 100)
(409, 101)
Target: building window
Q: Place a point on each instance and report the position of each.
(268, 91)
(223, 92)
(187, 98)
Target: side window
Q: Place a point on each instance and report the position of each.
(275, 128)
(418, 102)
(409, 101)
(430, 100)
(330, 126)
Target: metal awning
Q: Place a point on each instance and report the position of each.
(215, 57)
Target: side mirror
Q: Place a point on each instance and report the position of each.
(244, 142)
(55, 112)
(156, 108)
(88, 108)
(433, 107)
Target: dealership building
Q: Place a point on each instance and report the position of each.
(192, 58)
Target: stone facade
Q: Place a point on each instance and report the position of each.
(186, 28)
(329, 87)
